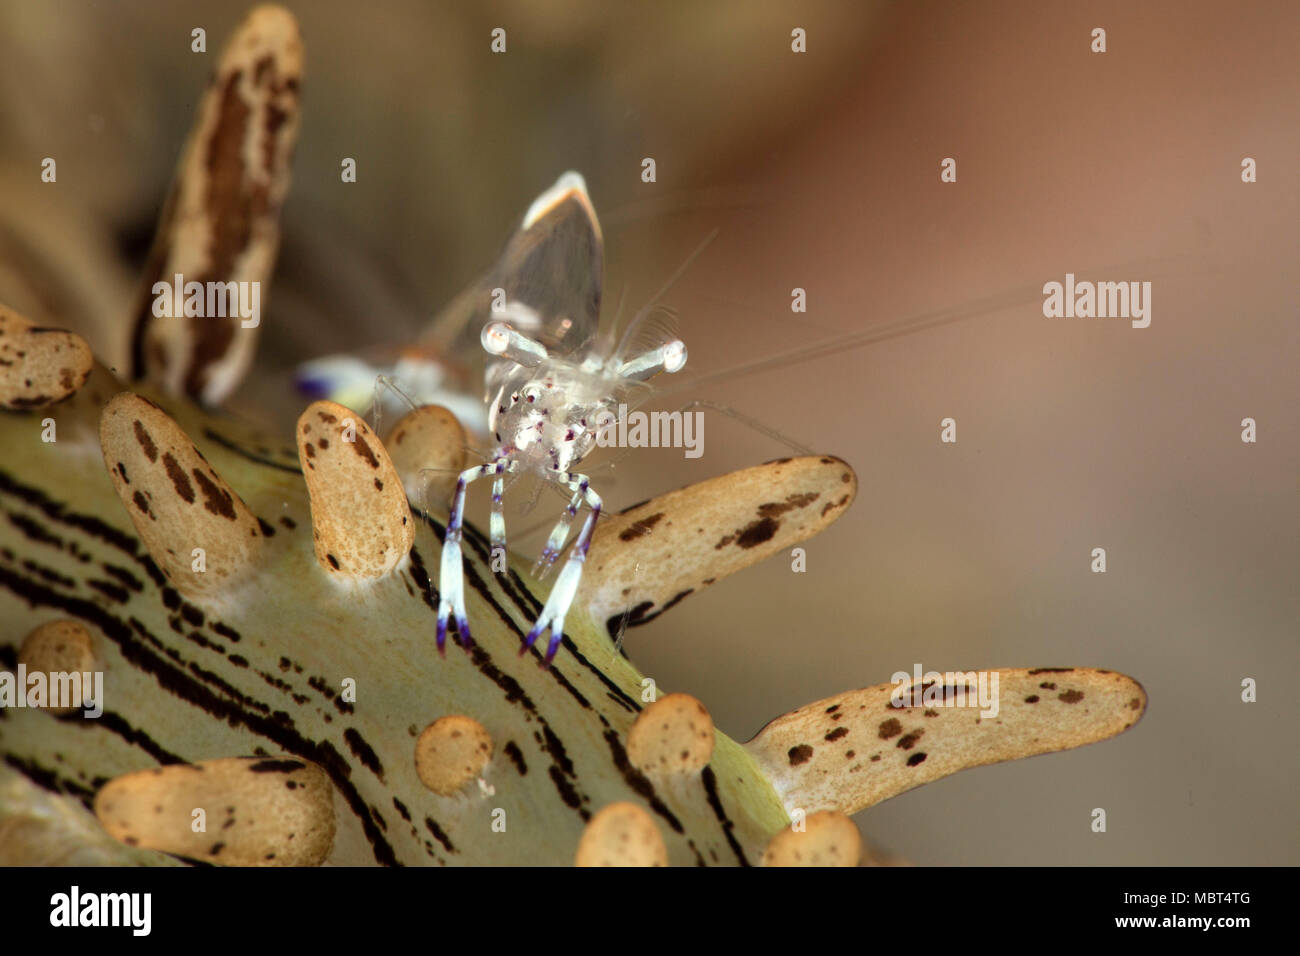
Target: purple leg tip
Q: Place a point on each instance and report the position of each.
(552, 648)
(529, 641)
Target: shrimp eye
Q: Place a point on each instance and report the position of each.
(532, 393)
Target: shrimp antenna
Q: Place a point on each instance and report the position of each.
(605, 343)
(649, 307)
(886, 330)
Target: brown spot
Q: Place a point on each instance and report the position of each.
(800, 754)
(334, 562)
(916, 758)
(327, 417)
(1071, 697)
(1051, 670)
(362, 449)
(179, 480)
(908, 741)
(141, 502)
(1135, 703)
(890, 728)
(775, 510)
(640, 528)
(234, 202)
(146, 442)
(758, 532)
(850, 754)
(1031, 699)
(1048, 685)
(836, 734)
(262, 70)
(932, 713)
(379, 485)
(275, 118)
(217, 500)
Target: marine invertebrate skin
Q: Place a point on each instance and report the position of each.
(828, 838)
(201, 534)
(621, 834)
(258, 664)
(657, 553)
(60, 647)
(451, 752)
(360, 519)
(856, 749)
(672, 735)
(267, 665)
(54, 362)
(265, 812)
(221, 222)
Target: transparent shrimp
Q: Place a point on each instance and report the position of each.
(554, 378)
(553, 384)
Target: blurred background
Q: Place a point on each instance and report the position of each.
(821, 170)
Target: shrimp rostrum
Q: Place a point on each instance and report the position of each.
(552, 383)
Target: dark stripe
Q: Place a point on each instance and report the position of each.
(34, 530)
(176, 681)
(711, 788)
(117, 724)
(364, 752)
(47, 779)
(229, 445)
(52, 509)
(623, 698)
(622, 703)
(638, 781)
(531, 607)
(438, 834)
(513, 690)
(49, 574)
(516, 756)
(123, 575)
